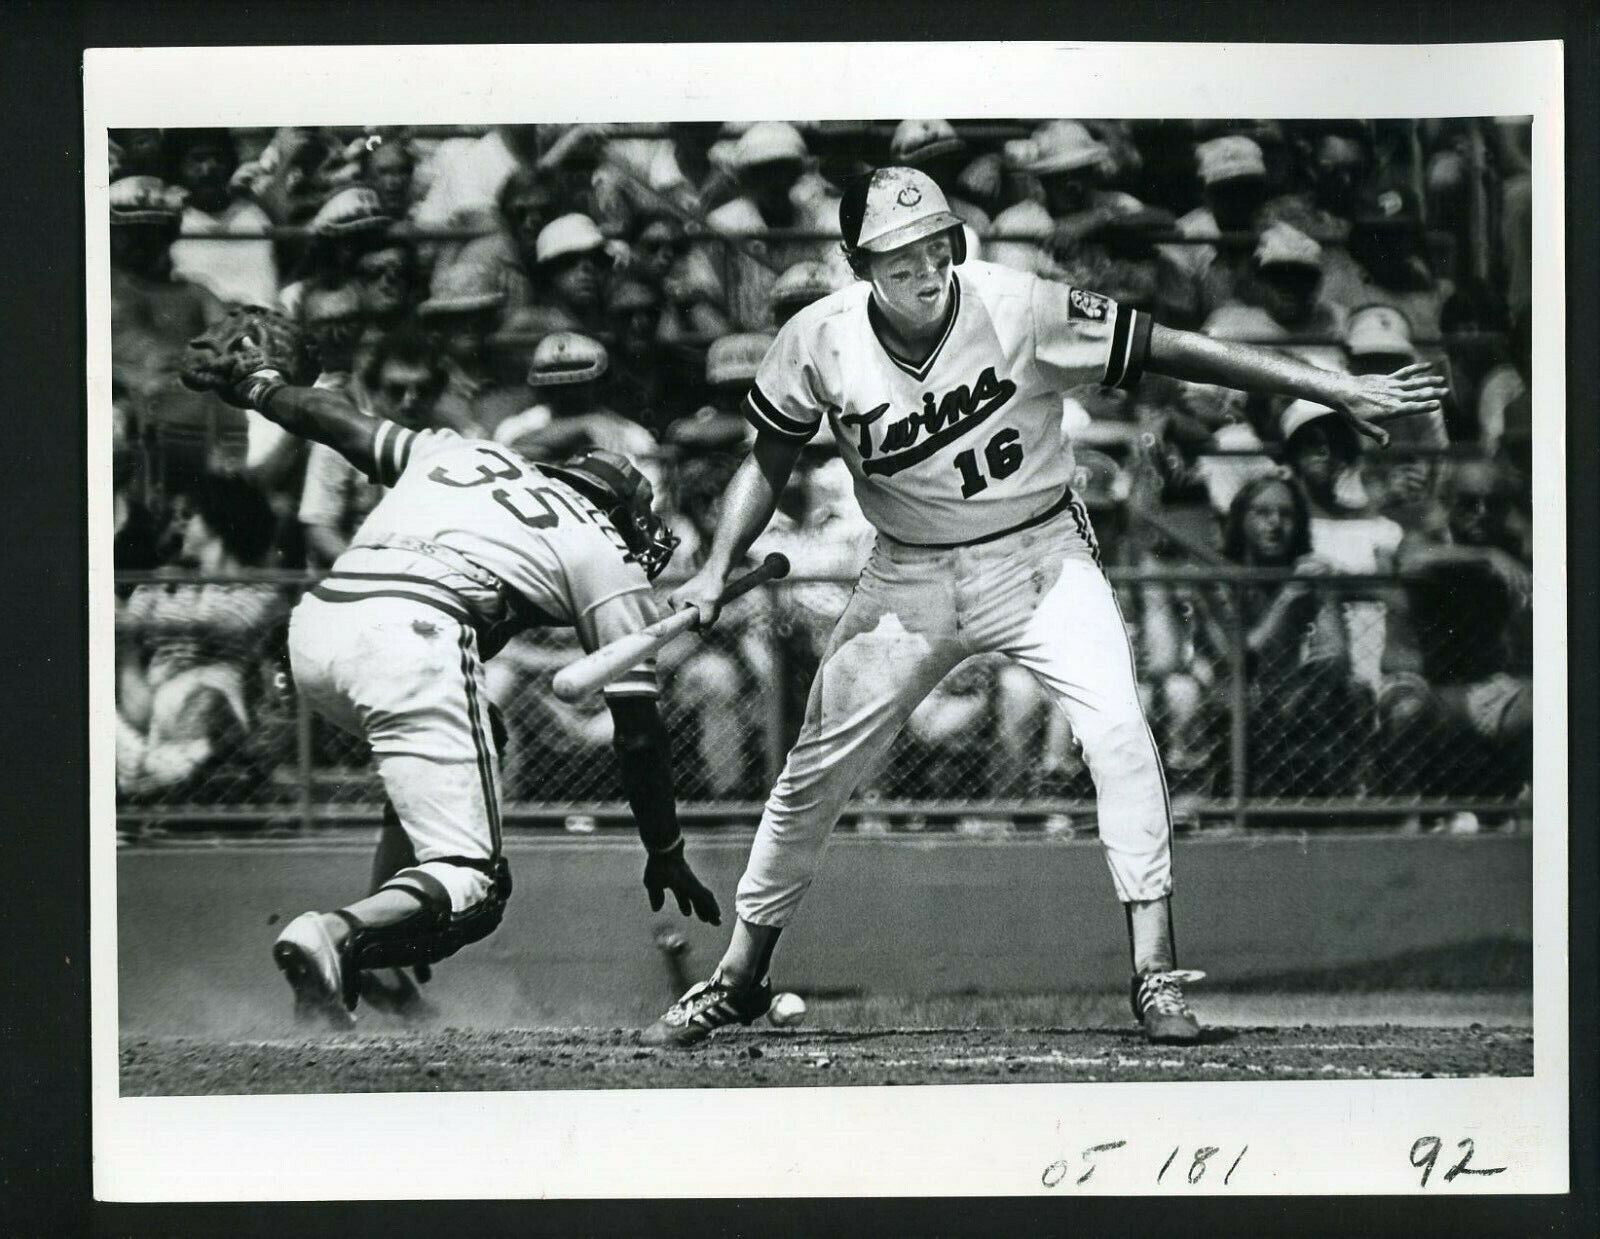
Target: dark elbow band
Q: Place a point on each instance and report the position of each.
(1130, 348)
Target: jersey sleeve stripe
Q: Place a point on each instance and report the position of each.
(1130, 345)
(380, 442)
(404, 441)
(764, 415)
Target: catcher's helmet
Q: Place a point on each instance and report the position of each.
(894, 207)
(613, 485)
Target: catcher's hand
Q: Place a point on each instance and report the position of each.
(247, 339)
(668, 870)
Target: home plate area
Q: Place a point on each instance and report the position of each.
(478, 1060)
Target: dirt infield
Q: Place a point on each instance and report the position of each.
(456, 1059)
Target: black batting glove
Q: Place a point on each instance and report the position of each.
(669, 871)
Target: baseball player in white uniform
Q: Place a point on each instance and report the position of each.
(942, 382)
(470, 545)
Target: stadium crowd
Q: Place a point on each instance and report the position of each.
(555, 287)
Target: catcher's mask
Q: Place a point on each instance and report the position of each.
(612, 484)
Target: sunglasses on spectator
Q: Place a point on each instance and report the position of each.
(378, 270)
(1468, 501)
(397, 392)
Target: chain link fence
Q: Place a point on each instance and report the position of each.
(1283, 698)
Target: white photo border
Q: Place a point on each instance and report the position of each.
(1327, 1138)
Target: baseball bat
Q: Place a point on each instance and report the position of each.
(584, 675)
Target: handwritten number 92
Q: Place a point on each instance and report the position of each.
(1425, 1154)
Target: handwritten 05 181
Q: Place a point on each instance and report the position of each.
(1189, 1170)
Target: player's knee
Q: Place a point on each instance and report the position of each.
(1118, 746)
(448, 884)
(460, 901)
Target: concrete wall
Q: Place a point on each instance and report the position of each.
(892, 915)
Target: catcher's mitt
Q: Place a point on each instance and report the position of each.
(243, 341)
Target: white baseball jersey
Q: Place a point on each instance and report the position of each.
(967, 444)
(476, 523)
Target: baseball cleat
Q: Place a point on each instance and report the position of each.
(314, 968)
(1159, 1005)
(706, 1007)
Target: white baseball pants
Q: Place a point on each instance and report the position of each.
(1037, 596)
(406, 677)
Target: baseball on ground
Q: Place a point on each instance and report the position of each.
(786, 1011)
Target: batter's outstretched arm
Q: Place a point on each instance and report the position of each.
(326, 417)
(747, 508)
(1361, 399)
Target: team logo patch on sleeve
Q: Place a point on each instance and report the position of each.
(1092, 306)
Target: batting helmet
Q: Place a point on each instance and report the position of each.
(891, 208)
(610, 481)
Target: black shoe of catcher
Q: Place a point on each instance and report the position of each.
(706, 1007)
(1159, 1005)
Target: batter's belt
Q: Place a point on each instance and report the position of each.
(1054, 510)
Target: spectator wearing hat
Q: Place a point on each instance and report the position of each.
(401, 380)
(587, 182)
(1388, 261)
(1278, 295)
(1069, 165)
(349, 224)
(570, 414)
(776, 193)
(637, 389)
(1323, 453)
(291, 175)
(390, 167)
(463, 311)
(526, 203)
(1457, 701)
(571, 266)
(718, 426)
(933, 147)
(237, 271)
(1407, 479)
(799, 286)
(1233, 179)
(154, 314)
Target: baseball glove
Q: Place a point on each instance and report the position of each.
(245, 340)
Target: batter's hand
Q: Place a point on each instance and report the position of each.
(669, 871)
(1412, 389)
(701, 592)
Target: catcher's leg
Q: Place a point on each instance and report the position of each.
(415, 682)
